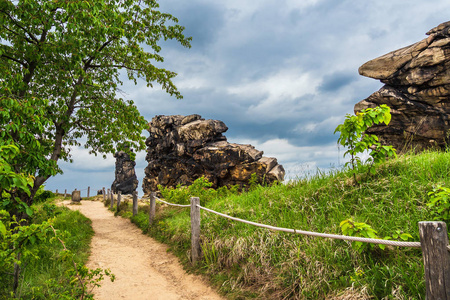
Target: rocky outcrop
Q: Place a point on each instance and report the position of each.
(182, 149)
(126, 181)
(417, 88)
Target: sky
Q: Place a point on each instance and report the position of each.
(281, 74)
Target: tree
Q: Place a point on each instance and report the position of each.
(354, 137)
(60, 67)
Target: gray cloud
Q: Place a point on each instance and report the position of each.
(336, 81)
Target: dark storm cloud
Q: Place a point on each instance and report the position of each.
(336, 81)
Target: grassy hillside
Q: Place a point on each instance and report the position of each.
(249, 262)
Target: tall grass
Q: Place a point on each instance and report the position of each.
(249, 262)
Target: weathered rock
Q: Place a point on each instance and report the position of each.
(417, 88)
(126, 180)
(182, 149)
(76, 196)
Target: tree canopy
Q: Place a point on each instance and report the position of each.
(61, 63)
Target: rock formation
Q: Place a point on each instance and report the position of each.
(182, 149)
(417, 88)
(126, 181)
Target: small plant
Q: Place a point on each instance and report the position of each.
(353, 137)
(352, 228)
(209, 253)
(439, 203)
(43, 195)
(398, 235)
(253, 182)
(358, 274)
(201, 187)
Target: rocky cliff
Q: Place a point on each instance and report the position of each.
(417, 88)
(184, 148)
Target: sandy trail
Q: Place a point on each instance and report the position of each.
(142, 266)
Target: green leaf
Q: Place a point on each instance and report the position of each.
(29, 211)
(2, 228)
(405, 236)
(387, 118)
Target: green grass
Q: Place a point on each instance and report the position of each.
(76, 231)
(244, 261)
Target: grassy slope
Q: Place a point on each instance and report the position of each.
(248, 262)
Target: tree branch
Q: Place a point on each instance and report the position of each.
(15, 60)
(87, 64)
(17, 34)
(16, 23)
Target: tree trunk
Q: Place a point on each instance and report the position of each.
(16, 275)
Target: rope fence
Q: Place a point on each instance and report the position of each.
(303, 232)
(317, 234)
(433, 242)
(172, 204)
(78, 192)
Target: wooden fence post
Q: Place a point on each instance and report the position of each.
(436, 259)
(65, 193)
(56, 191)
(135, 203)
(195, 230)
(104, 194)
(89, 189)
(151, 213)
(111, 200)
(119, 197)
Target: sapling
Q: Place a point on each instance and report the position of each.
(354, 138)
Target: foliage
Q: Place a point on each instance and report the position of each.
(16, 241)
(201, 188)
(353, 137)
(60, 68)
(398, 235)
(253, 182)
(439, 203)
(43, 195)
(79, 283)
(21, 242)
(358, 229)
(42, 246)
(22, 124)
(12, 183)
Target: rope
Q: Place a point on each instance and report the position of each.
(309, 233)
(326, 235)
(172, 204)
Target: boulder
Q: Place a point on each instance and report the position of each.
(126, 180)
(417, 88)
(184, 148)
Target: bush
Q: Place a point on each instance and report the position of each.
(43, 196)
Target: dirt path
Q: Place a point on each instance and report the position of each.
(142, 266)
